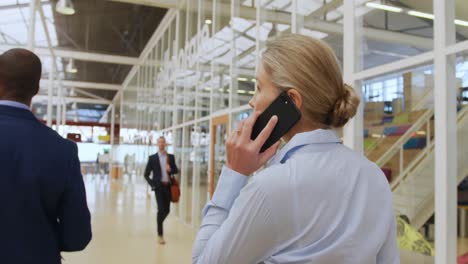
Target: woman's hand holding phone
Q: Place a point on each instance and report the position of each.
(243, 153)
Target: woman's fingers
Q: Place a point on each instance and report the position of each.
(269, 153)
(266, 132)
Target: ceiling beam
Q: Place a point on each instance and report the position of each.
(78, 55)
(326, 8)
(153, 3)
(13, 6)
(79, 91)
(43, 99)
(86, 85)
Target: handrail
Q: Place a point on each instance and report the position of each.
(460, 118)
(462, 113)
(374, 145)
(412, 165)
(413, 108)
(422, 99)
(403, 139)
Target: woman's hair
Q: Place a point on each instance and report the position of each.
(309, 66)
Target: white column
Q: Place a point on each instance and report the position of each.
(294, 17)
(50, 92)
(232, 67)
(32, 24)
(174, 98)
(353, 131)
(445, 135)
(183, 175)
(53, 66)
(196, 149)
(121, 107)
(112, 131)
(64, 115)
(58, 116)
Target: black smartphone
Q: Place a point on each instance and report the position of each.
(287, 113)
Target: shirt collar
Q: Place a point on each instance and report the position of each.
(14, 104)
(318, 136)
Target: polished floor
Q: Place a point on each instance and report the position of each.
(124, 226)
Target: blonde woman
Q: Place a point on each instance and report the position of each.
(316, 201)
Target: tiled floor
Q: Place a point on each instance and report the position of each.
(124, 227)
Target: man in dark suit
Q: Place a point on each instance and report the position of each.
(44, 208)
(163, 167)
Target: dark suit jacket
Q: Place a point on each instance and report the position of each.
(43, 198)
(154, 166)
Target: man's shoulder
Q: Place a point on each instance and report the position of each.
(54, 136)
(55, 141)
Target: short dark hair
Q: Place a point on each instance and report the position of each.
(20, 73)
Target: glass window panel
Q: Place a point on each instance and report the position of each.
(394, 103)
(200, 139)
(187, 173)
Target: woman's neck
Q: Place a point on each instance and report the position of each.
(302, 126)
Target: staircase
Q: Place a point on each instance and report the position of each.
(413, 186)
(393, 150)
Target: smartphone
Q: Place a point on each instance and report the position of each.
(287, 113)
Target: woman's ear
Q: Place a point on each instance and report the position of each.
(295, 97)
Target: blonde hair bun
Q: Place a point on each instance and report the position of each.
(345, 107)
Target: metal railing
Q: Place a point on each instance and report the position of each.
(424, 120)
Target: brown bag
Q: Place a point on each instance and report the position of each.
(175, 189)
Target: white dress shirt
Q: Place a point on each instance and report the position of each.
(14, 104)
(316, 202)
(163, 162)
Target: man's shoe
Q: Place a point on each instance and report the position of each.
(161, 240)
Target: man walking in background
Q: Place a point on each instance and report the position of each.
(44, 207)
(163, 167)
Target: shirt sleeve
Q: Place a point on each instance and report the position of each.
(389, 253)
(237, 226)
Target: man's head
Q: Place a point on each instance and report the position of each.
(20, 73)
(162, 144)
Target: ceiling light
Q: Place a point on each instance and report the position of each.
(252, 92)
(420, 14)
(65, 7)
(461, 22)
(384, 7)
(208, 21)
(71, 67)
(241, 91)
(242, 79)
(254, 80)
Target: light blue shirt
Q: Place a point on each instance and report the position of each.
(162, 162)
(316, 202)
(14, 104)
